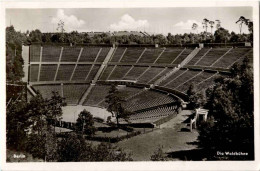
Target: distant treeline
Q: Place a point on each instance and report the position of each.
(221, 35)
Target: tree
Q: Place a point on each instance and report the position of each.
(158, 155)
(250, 25)
(211, 23)
(17, 123)
(196, 99)
(35, 36)
(115, 107)
(37, 109)
(195, 27)
(61, 29)
(160, 39)
(54, 105)
(75, 38)
(14, 60)
(42, 142)
(231, 124)
(221, 35)
(234, 37)
(109, 152)
(205, 24)
(73, 148)
(218, 25)
(242, 20)
(170, 38)
(85, 123)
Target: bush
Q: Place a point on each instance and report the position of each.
(72, 148)
(127, 128)
(158, 155)
(97, 119)
(85, 123)
(113, 139)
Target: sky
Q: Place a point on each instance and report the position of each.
(176, 20)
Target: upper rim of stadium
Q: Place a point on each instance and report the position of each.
(171, 68)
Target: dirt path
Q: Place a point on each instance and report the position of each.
(172, 136)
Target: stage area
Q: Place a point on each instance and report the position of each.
(70, 113)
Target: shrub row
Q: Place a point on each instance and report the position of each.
(62, 124)
(165, 119)
(113, 139)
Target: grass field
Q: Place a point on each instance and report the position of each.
(173, 136)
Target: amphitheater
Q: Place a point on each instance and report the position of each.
(151, 78)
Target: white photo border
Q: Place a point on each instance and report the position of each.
(175, 165)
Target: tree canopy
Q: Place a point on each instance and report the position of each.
(231, 124)
(115, 104)
(85, 123)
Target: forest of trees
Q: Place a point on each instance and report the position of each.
(221, 35)
(231, 110)
(230, 124)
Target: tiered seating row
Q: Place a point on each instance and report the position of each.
(35, 53)
(147, 99)
(213, 55)
(150, 55)
(34, 70)
(106, 72)
(159, 75)
(119, 72)
(48, 72)
(150, 115)
(172, 77)
(207, 82)
(181, 79)
(150, 74)
(51, 53)
(117, 54)
(64, 72)
(183, 55)
(231, 57)
(73, 92)
(129, 91)
(132, 54)
(89, 54)
(81, 72)
(198, 56)
(70, 54)
(92, 74)
(125, 92)
(97, 94)
(148, 104)
(202, 76)
(135, 73)
(46, 90)
(102, 55)
(169, 55)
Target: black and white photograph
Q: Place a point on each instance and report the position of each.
(128, 83)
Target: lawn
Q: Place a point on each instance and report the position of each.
(172, 136)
